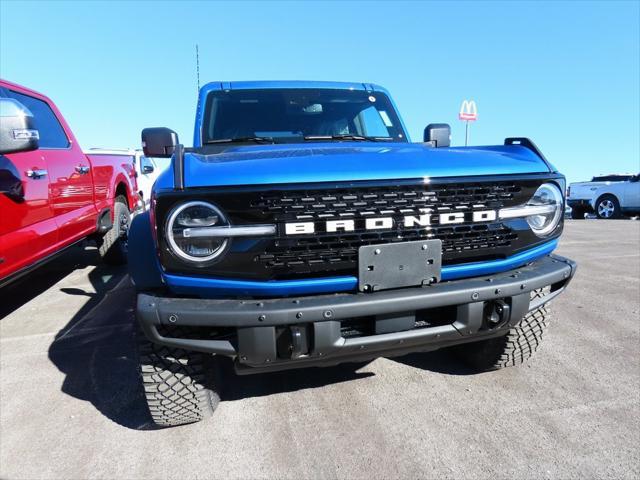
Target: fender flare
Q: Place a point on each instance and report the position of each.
(144, 267)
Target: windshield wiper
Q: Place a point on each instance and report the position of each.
(348, 136)
(241, 140)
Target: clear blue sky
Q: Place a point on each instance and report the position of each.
(564, 74)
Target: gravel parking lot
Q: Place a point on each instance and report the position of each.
(71, 406)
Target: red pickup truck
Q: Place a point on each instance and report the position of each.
(52, 195)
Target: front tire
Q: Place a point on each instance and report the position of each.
(512, 349)
(608, 207)
(113, 245)
(177, 383)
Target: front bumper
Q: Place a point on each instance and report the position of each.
(277, 334)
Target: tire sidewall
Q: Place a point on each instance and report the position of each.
(120, 209)
(113, 247)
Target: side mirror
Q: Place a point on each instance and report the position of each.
(159, 142)
(635, 178)
(18, 131)
(438, 134)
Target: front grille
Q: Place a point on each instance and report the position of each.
(333, 253)
(328, 251)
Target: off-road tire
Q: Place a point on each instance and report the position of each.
(515, 348)
(577, 213)
(113, 245)
(178, 384)
(612, 203)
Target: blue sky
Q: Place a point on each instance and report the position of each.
(564, 74)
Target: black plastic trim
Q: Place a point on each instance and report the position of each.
(104, 223)
(323, 313)
(178, 167)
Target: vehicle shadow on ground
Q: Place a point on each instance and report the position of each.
(96, 352)
(238, 387)
(22, 291)
(440, 361)
(95, 349)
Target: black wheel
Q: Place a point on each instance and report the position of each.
(515, 348)
(113, 245)
(608, 207)
(178, 385)
(577, 213)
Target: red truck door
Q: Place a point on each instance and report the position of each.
(28, 231)
(69, 170)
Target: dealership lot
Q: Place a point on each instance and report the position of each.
(71, 406)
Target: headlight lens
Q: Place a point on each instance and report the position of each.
(548, 195)
(199, 250)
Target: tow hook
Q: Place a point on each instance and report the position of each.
(298, 343)
(497, 314)
(293, 341)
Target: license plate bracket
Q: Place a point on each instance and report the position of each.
(398, 265)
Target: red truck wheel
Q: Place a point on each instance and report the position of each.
(113, 246)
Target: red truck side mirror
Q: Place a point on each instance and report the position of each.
(18, 132)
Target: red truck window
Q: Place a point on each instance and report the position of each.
(51, 132)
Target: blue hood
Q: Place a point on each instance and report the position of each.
(337, 162)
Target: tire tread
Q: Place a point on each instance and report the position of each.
(175, 384)
(515, 348)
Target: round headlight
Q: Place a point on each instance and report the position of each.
(549, 197)
(190, 215)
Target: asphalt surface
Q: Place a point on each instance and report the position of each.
(71, 405)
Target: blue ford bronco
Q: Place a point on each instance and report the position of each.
(305, 229)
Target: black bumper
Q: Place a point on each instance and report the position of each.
(276, 334)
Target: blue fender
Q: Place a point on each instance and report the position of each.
(144, 268)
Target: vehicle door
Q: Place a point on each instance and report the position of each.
(28, 230)
(69, 171)
(631, 193)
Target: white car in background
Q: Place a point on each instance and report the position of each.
(608, 196)
(147, 169)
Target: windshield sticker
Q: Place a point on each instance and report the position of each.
(385, 118)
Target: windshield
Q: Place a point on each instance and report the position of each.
(290, 115)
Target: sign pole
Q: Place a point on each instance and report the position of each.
(466, 133)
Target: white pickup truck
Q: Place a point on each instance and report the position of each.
(608, 196)
(147, 169)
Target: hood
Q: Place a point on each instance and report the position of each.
(338, 162)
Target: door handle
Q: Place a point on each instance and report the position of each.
(37, 173)
(82, 169)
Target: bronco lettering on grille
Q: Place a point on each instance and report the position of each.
(388, 223)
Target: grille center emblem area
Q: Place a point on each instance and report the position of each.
(388, 223)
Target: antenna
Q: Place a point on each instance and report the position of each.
(197, 68)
